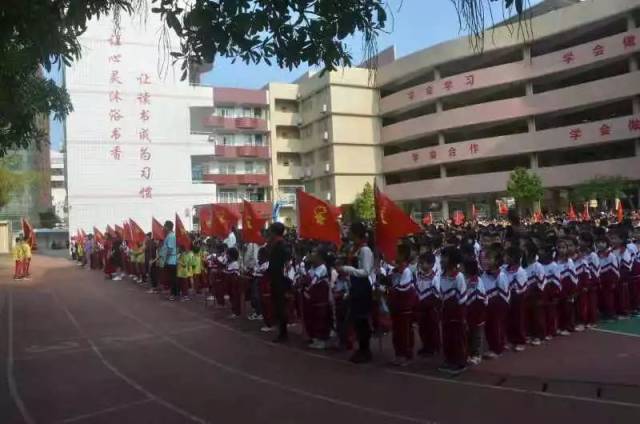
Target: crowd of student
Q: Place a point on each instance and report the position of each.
(470, 291)
(21, 253)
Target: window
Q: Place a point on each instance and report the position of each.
(58, 184)
(257, 112)
(225, 111)
(57, 171)
(227, 196)
(248, 167)
(258, 141)
(227, 168)
(247, 113)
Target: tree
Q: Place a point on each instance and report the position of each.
(525, 186)
(603, 188)
(287, 32)
(48, 218)
(364, 206)
(11, 180)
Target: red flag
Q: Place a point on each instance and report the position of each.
(182, 237)
(391, 225)
(571, 213)
(474, 212)
(251, 224)
(427, 218)
(119, 231)
(585, 213)
(537, 216)
(127, 231)
(111, 231)
(503, 209)
(137, 233)
(458, 218)
(84, 235)
(206, 220)
(224, 219)
(317, 219)
(157, 230)
(29, 235)
(97, 234)
(619, 212)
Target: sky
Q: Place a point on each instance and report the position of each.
(413, 25)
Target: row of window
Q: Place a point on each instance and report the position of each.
(235, 196)
(237, 112)
(609, 151)
(239, 139)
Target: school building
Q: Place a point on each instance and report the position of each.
(442, 128)
(559, 97)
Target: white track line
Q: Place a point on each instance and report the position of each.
(106, 411)
(420, 376)
(117, 372)
(516, 390)
(13, 388)
(618, 333)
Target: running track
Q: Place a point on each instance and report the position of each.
(77, 348)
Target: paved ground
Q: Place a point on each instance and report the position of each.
(81, 349)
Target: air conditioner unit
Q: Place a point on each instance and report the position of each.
(328, 195)
(307, 172)
(325, 136)
(325, 108)
(327, 167)
(299, 122)
(298, 96)
(211, 138)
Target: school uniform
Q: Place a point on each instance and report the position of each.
(184, 272)
(264, 290)
(18, 259)
(428, 310)
(634, 280)
(454, 325)
(235, 287)
(340, 294)
(625, 264)
(583, 275)
(317, 309)
(220, 287)
(476, 305)
(568, 291)
(517, 318)
(497, 292)
(609, 275)
(402, 301)
(594, 288)
(535, 300)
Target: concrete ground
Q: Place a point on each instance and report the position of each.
(78, 348)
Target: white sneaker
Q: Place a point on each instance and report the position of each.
(579, 328)
(185, 299)
(475, 360)
(318, 344)
(116, 278)
(490, 355)
(266, 329)
(210, 298)
(519, 348)
(252, 317)
(563, 333)
(152, 291)
(233, 316)
(535, 342)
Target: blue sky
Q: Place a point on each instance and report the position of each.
(414, 25)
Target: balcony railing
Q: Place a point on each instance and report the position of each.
(242, 151)
(261, 180)
(241, 123)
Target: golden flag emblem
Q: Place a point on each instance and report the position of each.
(320, 215)
(221, 218)
(248, 223)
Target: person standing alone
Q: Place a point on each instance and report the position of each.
(278, 257)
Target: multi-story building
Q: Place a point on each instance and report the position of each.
(325, 136)
(58, 185)
(238, 161)
(129, 141)
(563, 103)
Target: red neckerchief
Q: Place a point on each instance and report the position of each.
(513, 268)
(603, 253)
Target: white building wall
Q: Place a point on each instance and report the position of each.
(117, 94)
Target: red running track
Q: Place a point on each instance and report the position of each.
(81, 349)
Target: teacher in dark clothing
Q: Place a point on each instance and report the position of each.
(279, 256)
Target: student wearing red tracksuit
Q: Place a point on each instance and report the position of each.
(634, 282)
(517, 279)
(316, 306)
(535, 294)
(625, 266)
(593, 262)
(429, 307)
(583, 275)
(496, 286)
(454, 325)
(551, 292)
(402, 301)
(568, 285)
(476, 305)
(608, 276)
